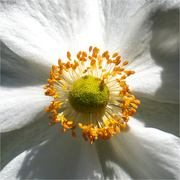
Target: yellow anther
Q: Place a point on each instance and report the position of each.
(64, 87)
(90, 48)
(100, 63)
(59, 62)
(136, 101)
(129, 72)
(125, 63)
(134, 105)
(51, 80)
(84, 54)
(45, 87)
(113, 74)
(65, 126)
(91, 58)
(54, 67)
(105, 76)
(132, 112)
(69, 55)
(117, 62)
(68, 65)
(52, 123)
(80, 125)
(78, 55)
(65, 69)
(105, 54)
(54, 112)
(123, 77)
(117, 119)
(70, 123)
(47, 109)
(56, 96)
(123, 125)
(118, 58)
(85, 71)
(91, 141)
(114, 55)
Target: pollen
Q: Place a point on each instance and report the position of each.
(90, 94)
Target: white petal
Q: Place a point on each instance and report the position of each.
(141, 153)
(44, 31)
(115, 15)
(146, 34)
(157, 63)
(162, 53)
(20, 106)
(17, 72)
(15, 142)
(163, 116)
(60, 158)
(127, 22)
(147, 79)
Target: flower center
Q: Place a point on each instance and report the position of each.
(89, 95)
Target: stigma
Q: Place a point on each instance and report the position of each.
(90, 93)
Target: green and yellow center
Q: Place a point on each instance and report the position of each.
(89, 95)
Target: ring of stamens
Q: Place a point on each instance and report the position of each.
(110, 71)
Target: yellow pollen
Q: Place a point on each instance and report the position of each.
(64, 87)
(108, 69)
(114, 55)
(69, 55)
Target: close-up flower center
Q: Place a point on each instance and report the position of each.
(89, 95)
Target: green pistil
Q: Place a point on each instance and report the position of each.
(88, 95)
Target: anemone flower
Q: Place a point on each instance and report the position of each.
(105, 42)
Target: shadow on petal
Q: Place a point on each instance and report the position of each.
(163, 116)
(151, 45)
(164, 51)
(143, 153)
(18, 72)
(164, 48)
(61, 157)
(17, 141)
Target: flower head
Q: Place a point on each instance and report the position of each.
(35, 34)
(91, 92)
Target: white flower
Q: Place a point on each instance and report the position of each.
(35, 35)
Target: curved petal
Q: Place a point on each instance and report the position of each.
(157, 67)
(147, 79)
(20, 106)
(60, 158)
(163, 116)
(44, 31)
(115, 15)
(141, 153)
(16, 72)
(127, 24)
(15, 142)
(146, 34)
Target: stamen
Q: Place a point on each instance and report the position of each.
(97, 113)
(69, 55)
